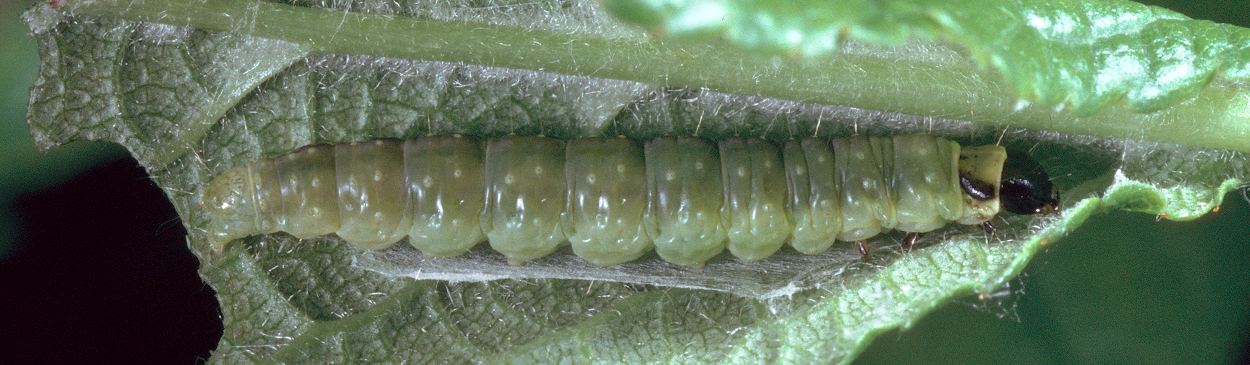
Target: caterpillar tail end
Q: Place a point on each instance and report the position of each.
(218, 240)
(229, 201)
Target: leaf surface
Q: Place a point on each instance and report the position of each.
(1084, 55)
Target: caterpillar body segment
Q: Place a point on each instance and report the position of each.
(372, 193)
(445, 187)
(309, 191)
(609, 208)
(978, 166)
(867, 205)
(754, 214)
(684, 178)
(815, 194)
(615, 199)
(525, 196)
(926, 183)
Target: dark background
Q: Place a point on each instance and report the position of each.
(94, 267)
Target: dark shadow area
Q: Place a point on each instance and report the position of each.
(1122, 289)
(102, 274)
(1235, 12)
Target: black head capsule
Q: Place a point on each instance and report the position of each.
(1026, 188)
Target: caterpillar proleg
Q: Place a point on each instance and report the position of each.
(615, 199)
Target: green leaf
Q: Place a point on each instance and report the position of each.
(943, 79)
(193, 88)
(1081, 55)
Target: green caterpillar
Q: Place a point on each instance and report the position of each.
(615, 199)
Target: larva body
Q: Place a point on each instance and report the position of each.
(612, 199)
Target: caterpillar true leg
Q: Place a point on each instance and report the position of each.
(990, 231)
(863, 249)
(910, 241)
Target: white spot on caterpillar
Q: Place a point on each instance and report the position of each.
(669, 175)
(377, 175)
(742, 172)
(428, 181)
(457, 173)
(538, 170)
(509, 179)
(620, 168)
(698, 165)
(316, 182)
(590, 179)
